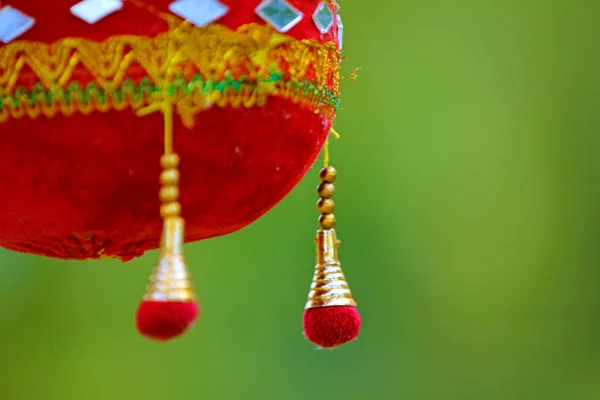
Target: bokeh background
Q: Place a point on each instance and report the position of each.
(469, 210)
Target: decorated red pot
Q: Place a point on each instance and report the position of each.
(235, 98)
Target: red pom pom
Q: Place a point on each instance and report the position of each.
(164, 320)
(329, 327)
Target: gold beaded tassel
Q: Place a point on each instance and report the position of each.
(330, 316)
(169, 306)
(329, 286)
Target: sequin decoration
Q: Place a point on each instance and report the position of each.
(92, 11)
(340, 30)
(323, 17)
(13, 23)
(280, 14)
(199, 12)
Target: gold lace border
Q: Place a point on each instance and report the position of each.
(192, 66)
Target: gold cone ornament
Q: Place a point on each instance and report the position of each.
(329, 286)
(170, 279)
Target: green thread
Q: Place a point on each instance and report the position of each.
(39, 94)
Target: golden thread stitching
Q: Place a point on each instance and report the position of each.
(326, 147)
(190, 99)
(251, 54)
(153, 10)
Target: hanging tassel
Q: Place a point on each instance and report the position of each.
(330, 317)
(169, 306)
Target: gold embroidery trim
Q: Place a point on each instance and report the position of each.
(210, 65)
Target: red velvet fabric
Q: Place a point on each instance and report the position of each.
(87, 186)
(74, 187)
(164, 320)
(329, 327)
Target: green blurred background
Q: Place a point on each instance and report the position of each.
(468, 206)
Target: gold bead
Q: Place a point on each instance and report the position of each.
(325, 206)
(169, 161)
(169, 194)
(328, 174)
(327, 221)
(326, 190)
(169, 177)
(170, 210)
